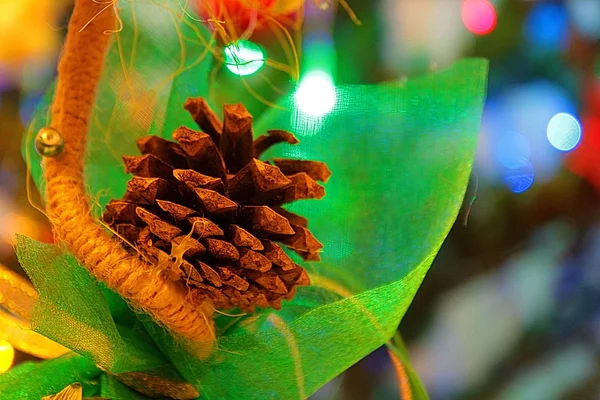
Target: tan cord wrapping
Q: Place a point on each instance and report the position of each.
(68, 206)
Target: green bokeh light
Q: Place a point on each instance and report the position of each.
(316, 94)
(244, 57)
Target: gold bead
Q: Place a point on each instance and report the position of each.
(49, 142)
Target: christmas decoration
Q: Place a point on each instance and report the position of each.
(400, 156)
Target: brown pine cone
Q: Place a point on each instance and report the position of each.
(204, 209)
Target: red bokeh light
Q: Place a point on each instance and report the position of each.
(583, 161)
(591, 95)
(479, 16)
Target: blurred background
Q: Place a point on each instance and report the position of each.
(511, 307)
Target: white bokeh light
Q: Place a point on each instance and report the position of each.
(316, 94)
(564, 132)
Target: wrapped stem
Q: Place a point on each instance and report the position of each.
(68, 206)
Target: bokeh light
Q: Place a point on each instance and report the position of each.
(547, 26)
(12, 223)
(244, 57)
(479, 16)
(564, 132)
(316, 94)
(514, 134)
(583, 160)
(513, 150)
(519, 179)
(585, 15)
(27, 31)
(414, 36)
(7, 356)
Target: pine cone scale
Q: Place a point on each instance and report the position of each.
(148, 166)
(255, 261)
(236, 141)
(273, 137)
(206, 119)
(242, 238)
(203, 154)
(194, 180)
(157, 226)
(315, 169)
(215, 203)
(145, 190)
(121, 211)
(266, 222)
(177, 211)
(168, 152)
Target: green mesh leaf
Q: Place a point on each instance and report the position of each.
(72, 311)
(292, 358)
(113, 389)
(33, 380)
(401, 154)
(392, 204)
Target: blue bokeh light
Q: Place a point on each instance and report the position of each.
(513, 150)
(547, 26)
(514, 133)
(564, 132)
(519, 179)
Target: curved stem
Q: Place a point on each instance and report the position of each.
(68, 206)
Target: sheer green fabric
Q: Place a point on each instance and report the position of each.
(73, 311)
(32, 380)
(113, 389)
(400, 153)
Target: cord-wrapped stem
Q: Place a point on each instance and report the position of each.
(68, 206)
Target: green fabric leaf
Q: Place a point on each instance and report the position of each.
(113, 389)
(291, 359)
(401, 154)
(33, 380)
(72, 311)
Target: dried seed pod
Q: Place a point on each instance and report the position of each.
(208, 206)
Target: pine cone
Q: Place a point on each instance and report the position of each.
(205, 210)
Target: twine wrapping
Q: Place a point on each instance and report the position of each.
(68, 206)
